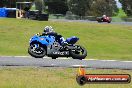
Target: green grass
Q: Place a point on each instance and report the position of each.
(121, 13)
(103, 41)
(52, 78)
(51, 16)
(119, 17)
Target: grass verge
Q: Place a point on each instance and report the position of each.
(103, 41)
(52, 78)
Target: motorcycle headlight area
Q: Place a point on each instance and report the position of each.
(41, 38)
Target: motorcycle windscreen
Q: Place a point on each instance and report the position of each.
(72, 40)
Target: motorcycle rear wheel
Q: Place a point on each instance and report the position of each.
(79, 53)
(109, 21)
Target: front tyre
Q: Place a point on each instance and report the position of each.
(37, 51)
(99, 20)
(78, 53)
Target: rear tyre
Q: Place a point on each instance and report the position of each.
(78, 53)
(109, 21)
(38, 52)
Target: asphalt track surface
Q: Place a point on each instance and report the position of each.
(88, 21)
(64, 62)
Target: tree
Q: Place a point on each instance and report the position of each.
(93, 7)
(39, 4)
(79, 7)
(127, 6)
(101, 7)
(7, 3)
(11, 3)
(57, 6)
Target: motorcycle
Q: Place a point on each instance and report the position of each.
(107, 19)
(47, 45)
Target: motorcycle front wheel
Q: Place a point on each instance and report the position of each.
(78, 53)
(37, 51)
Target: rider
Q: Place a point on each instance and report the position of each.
(104, 17)
(48, 30)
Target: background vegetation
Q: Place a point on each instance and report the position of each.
(93, 7)
(77, 7)
(127, 6)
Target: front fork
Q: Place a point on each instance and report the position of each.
(35, 47)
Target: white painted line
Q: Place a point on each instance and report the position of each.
(79, 65)
(62, 58)
(53, 64)
(47, 57)
(21, 56)
(125, 61)
(15, 56)
(105, 60)
(90, 59)
(5, 56)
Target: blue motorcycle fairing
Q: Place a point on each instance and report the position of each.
(72, 40)
(46, 40)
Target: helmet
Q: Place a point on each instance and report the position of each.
(48, 29)
(104, 16)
